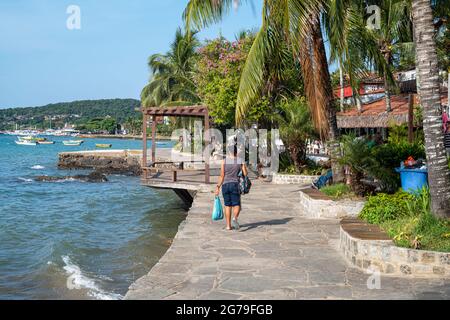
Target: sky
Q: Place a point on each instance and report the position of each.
(42, 61)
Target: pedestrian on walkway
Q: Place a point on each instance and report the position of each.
(229, 181)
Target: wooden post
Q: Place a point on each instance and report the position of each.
(411, 119)
(144, 142)
(153, 139)
(207, 142)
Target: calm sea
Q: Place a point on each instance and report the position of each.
(76, 240)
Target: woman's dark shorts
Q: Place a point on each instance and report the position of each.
(231, 195)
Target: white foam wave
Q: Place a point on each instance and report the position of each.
(37, 167)
(25, 179)
(78, 280)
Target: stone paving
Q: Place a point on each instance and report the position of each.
(277, 254)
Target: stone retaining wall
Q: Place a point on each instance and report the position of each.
(385, 257)
(316, 205)
(293, 179)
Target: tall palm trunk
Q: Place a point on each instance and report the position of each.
(341, 85)
(387, 94)
(438, 172)
(323, 81)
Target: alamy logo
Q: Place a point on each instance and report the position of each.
(74, 20)
(374, 21)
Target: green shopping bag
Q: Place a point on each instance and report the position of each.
(217, 213)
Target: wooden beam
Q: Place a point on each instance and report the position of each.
(411, 118)
(153, 139)
(207, 142)
(144, 143)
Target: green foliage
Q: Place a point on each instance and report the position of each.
(76, 112)
(357, 155)
(384, 207)
(172, 73)
(408, 220)
(107, 124)
(388, 157)
(338, 191)
(219, 70)
(295, 127)
(398, 134)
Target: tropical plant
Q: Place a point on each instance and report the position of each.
(357, 155)
(383, 207)
(429, 93)
(295, 128)
(287, 26)
(171, 82)
(360, 49)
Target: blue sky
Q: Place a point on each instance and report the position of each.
(42, 62)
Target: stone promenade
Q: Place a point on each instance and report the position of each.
(277, 254)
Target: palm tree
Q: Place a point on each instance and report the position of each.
(360, 48)
(292, 23)
(171, 81)
(427, 63)
(295, 128)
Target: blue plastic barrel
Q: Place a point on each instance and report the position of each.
(413, 179)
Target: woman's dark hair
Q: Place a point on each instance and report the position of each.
(232, 149)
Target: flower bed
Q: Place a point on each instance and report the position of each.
(368, 247)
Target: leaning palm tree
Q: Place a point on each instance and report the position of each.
(294, 23)
(172, 73)
(427, 63)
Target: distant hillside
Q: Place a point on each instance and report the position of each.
(75, 112)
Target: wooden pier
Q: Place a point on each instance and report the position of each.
(185, 182)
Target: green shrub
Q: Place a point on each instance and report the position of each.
(337, 191)
(408, 220)
(388, 157)
(383, 207)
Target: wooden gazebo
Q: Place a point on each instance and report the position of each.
(176, 111)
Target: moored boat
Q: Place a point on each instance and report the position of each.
(73, 142)
(45, 142)
(25, 143)
(103, 145)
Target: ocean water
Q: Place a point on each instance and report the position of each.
(77, 240)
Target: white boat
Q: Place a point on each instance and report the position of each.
(26, 143)
(45, 142)
(72, 142)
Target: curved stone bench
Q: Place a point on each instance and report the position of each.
(317, 205)
(366, 246)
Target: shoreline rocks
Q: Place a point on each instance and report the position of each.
(93, 177)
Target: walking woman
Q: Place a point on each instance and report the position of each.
(229, 181)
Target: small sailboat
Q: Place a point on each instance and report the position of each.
(25, 143)
(73, 142)
(103, 145)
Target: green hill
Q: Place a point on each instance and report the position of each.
(76, 112)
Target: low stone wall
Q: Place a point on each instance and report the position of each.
(383, 256)
(292, 179)
(316, 205)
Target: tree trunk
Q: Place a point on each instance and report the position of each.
(387, 94)
(341, 84)
(438, 172)
(323, 81)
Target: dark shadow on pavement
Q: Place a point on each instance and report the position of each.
(248, 226)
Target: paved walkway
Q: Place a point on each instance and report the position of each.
(277, 254)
